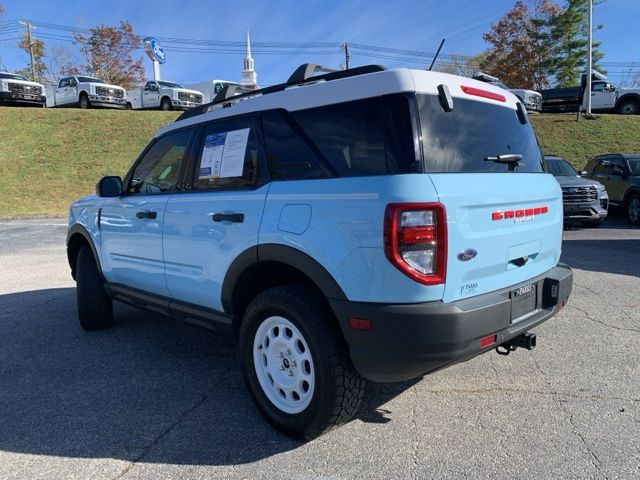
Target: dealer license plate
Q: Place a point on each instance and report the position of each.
(523, 301)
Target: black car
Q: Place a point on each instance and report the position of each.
(620, 174)
(585, 200)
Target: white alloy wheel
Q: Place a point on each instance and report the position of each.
(283, 365)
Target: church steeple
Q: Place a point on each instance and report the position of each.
(249, 76)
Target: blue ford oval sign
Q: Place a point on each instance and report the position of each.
(467, 254)
(154, 50)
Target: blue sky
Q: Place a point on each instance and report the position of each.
(413, 25)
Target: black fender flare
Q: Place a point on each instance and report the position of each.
(280, 254)
(628, 96)
(74, 230)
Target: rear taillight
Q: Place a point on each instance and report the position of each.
(415, 240)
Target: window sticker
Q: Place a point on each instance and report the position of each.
(223, 154)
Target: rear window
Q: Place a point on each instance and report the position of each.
(634, 165)
(461, 140)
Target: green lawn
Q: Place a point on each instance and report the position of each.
(48, 157)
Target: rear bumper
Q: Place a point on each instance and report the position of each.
(409, 340)
(29, 98)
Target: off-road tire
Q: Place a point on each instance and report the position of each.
(95, 308)
(338, 388)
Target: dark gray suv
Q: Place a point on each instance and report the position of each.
(620, 174)
(585, 200)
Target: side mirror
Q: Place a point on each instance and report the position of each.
(583, 172)
(110, 186)
(609, 88)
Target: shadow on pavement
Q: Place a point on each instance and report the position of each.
(150, 389)
(610, 256)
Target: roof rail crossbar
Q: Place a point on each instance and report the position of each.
(231, 91)
(293, 80)
(306, 71)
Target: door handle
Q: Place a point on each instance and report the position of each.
(229, 217)
(146, 214)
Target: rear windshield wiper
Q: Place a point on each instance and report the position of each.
(511, 159)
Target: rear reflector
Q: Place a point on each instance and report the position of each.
(360, 323)
(486, 341)
(478, 92)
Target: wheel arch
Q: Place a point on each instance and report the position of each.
(261, 267)
(629, 193)
(629, 96)
(77, 237)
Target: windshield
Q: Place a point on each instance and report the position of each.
(89, 79)
(170, 85)
(634, 166)
(13, 76)
(559, 167)
(461, 140)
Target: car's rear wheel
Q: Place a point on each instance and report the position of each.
(95, 308)
(295, 363)
(633, 209)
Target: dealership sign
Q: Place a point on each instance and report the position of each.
(154, 50)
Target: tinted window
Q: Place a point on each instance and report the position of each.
(401, 134)
(159, 169)
(603, 166)
(288, 155)
(90, 79)
(634, 165)
(229, 155)
(460, 140)
(349, 135)
(559, 167)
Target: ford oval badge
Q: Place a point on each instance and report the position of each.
(467, 254)
(154, 50)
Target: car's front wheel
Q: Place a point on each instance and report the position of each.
(95, 308)
(295, 363)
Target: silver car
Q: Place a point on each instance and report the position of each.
(585, 200)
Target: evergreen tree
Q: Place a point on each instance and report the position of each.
(566, 41)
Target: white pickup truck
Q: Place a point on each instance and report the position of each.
(530, 99)
(210, 88)
(16, 89)
(85, 92)
(608, 97)
(164, 96)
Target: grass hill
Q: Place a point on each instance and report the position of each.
(48, 157)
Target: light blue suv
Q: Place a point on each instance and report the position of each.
(362, 224)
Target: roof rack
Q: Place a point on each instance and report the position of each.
(301, 76)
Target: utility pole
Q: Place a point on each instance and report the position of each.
(345, 46)
(29, 27)
(589, 61)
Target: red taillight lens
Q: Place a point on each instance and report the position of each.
(415, 240)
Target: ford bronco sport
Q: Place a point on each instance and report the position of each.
(362, 224)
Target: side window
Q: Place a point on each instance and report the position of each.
(73, 82)
(618, 167)
(147, 86)
(229, 155)
(403, 148)
(159, 170)
(603, 166)
(63, 83)
(350, 136)
(597, 87)
(288, 155)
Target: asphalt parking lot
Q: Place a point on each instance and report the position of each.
(153, 398)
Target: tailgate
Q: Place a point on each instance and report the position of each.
(512, 221)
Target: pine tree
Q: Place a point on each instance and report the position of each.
(566, 40)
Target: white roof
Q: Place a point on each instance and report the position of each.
(301, 97)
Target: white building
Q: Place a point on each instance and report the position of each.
(249, 76)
